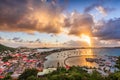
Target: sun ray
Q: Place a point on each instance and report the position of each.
(86, 38)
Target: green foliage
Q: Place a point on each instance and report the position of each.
(7, 77)
(118, 63)
(96, 76)
(3, 48)
(75, 76)
(114, 76)
(5, 59)
(74, 73)
(58, 77)
(32, 78)
(28, 73)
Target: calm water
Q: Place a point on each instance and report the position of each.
(78, 57)
(109, 52)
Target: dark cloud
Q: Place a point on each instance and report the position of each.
(48, 17)
(109, 30)
(30, 16)
(79, 23)
(16, 38)
(30, 41)
(39, 15)
(21, 40)
(75, 43)
(52, 35)
(1, 38)
(38, 40)
(11, 12)
(35, 41)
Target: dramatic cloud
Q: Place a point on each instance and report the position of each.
(79, 23)
(109, 30)
(41, 16)
(48, 16)
(30, 16)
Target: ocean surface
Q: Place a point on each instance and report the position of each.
(78, 57)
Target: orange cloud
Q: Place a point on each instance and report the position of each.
(80, 23)
(45, 17)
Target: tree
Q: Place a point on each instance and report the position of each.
(96, 76)
(5, 59)
(75, 76)
(114, 76)
(7, 77)
(118, 63)
(28, 73)
(32, 78)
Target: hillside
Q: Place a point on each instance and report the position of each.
(3, 48)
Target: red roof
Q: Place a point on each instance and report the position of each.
(7, 63)
(1, 70)
(1, 77)
(67, 67)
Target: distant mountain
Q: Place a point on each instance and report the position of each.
(3, 48)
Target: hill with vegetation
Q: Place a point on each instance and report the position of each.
(4, 48)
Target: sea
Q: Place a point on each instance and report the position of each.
(78, 57)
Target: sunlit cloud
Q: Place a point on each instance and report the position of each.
(50, 17)
(79, 23)
(29, 16)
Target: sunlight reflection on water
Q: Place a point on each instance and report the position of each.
(78, 57)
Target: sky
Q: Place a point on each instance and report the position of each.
(60, 23)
